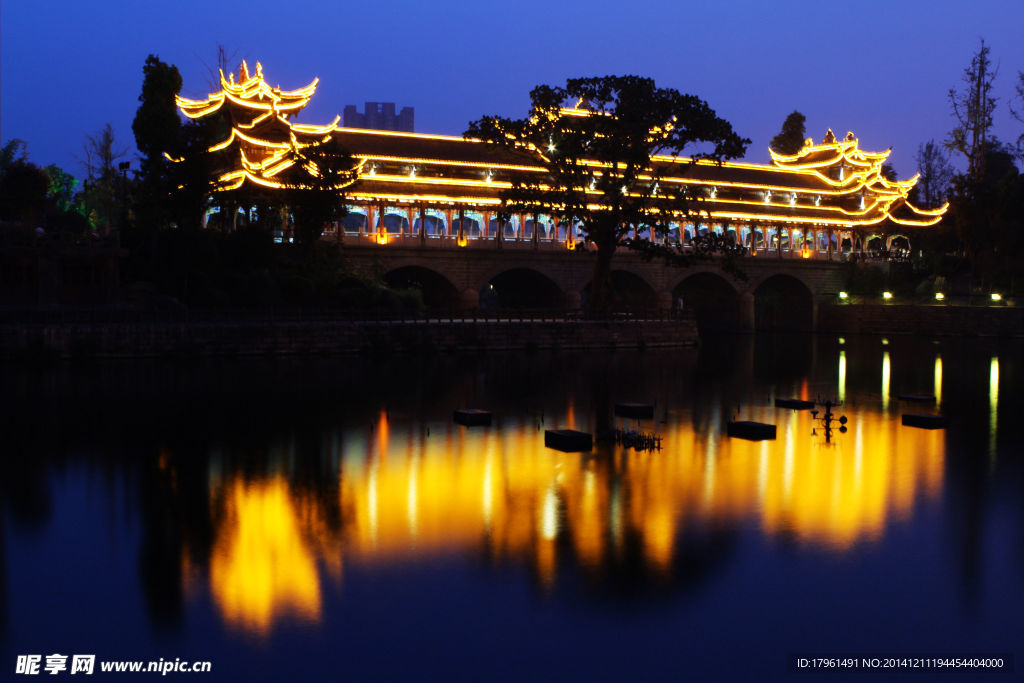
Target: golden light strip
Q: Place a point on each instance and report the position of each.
(427, 180)
(443, 162)
(416, 198)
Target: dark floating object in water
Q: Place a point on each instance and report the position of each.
(472, 417)
(924, 421)
(919, 398)
(568, 440)
(794, 403)
(641, 411)
(751, 431)
(639, 441)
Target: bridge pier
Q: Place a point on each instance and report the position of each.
(663, 300)
(745, 311)
(469, 299)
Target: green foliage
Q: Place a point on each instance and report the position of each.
(791, 138)
(629, 120)
(63, 188)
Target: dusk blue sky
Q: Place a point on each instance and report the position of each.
(880, 69)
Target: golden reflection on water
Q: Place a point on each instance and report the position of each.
(993, 408)
(262, 566)
(886, 374)
(402, 494)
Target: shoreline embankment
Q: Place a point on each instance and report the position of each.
(41, 340)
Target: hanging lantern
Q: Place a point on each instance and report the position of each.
(805, 251)
(461, 239)
(570, 243)
(382, 235)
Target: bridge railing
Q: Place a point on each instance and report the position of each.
(451, 242)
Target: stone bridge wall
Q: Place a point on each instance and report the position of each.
(470, 268)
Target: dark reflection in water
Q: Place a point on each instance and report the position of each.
(330, 508)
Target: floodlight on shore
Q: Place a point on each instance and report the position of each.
(996, 296)
(887, 296)
(844, 296)
(939, 296)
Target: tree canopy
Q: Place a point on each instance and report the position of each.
(791, 138)
(597, 157)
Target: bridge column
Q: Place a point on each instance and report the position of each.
(573, 301)
(663, 300)
(745, 311)
(469, 299)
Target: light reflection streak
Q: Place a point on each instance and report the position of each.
(841, 390)
(993, 408)
(886, 371)
(937, 380)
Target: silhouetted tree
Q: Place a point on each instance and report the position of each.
(315, 197)
(157, 129)
(936, 174)
(101, 187)
(620, 122)
(973, 110)
(1019, 113)
(23, 193)
(791, 138)
(12, 151)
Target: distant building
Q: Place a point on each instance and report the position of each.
(379, 116)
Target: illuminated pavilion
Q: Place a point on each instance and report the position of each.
(828, 198)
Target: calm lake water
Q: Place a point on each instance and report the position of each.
(324, 518)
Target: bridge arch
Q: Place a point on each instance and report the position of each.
(783, 302)
(631, 291)
(437, 290)
(712, 299)
(521, 288)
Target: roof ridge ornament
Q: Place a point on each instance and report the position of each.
(830, 138)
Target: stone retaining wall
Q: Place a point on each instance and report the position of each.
(939, 320)
(113, 340)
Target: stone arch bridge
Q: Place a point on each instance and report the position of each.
(779, 292)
